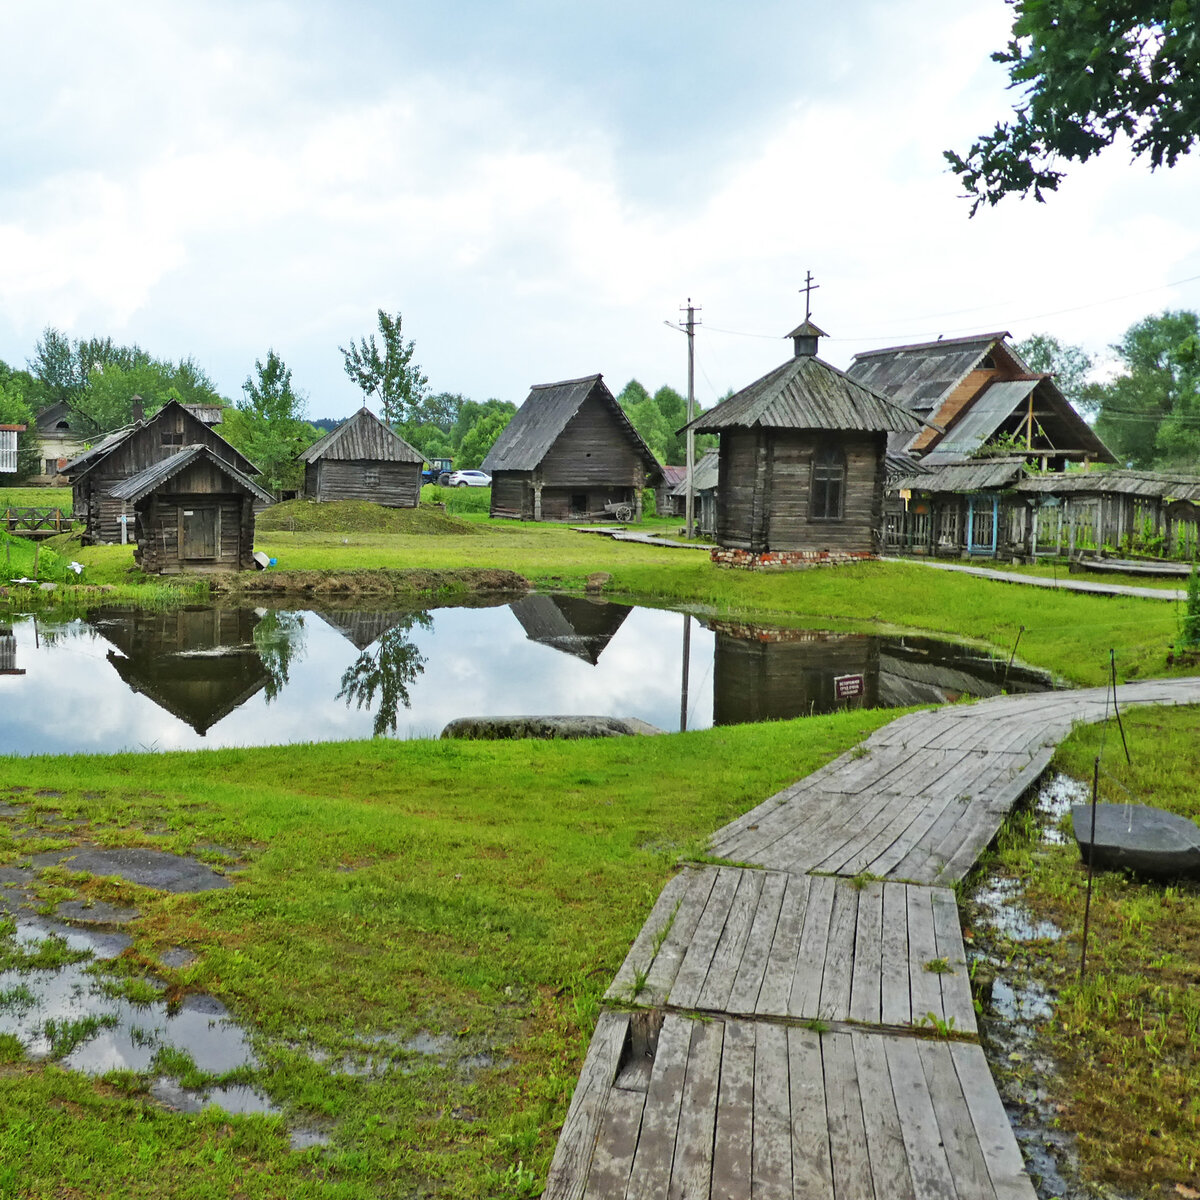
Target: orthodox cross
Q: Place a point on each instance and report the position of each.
(808, 289)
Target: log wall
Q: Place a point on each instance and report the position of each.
(394, 484)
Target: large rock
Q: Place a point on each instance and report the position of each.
(500, 728)
(1132, 837)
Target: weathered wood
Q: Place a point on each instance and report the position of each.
(840, 953)
(691, 1171)
(847, 1132)
(661, 976)
(896, 1004)
(616, 1143)
(867, 974)
(805, 995)
(777, 983)
(812, 1168)
(660, 1122)
(925, 986)
(922, 1139)
(881, 1120)
(743, 997)
(722, 971)
(734, 1135)
(957, 1001)
(772, 1152)
(963, 1154)
(685, 991)
(658, 924)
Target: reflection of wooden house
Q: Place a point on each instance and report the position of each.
(576, 626)
(120, 455)
(361, 629)
(802, 463)
(567, 452)
(193, 512)
(8, 652)
(362, 459)
(922, 670)
(199, 664)
(762, 674)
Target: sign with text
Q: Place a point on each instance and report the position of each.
(846, 687)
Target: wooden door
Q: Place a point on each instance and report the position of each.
(199, 532)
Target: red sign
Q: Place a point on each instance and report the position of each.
(846, 687)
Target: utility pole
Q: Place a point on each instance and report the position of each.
(689, 327)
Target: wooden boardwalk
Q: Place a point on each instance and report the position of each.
(799, 1024)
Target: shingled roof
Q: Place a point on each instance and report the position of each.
(362, 437)
(144, 482)
(547, 411)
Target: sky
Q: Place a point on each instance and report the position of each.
(539, 188)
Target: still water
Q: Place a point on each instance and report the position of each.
(128, 679)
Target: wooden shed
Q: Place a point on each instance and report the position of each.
(568, 451)
(129, 451)
(801, 464)
(362, 459)
(192, 512)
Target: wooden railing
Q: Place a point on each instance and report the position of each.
(40, 521)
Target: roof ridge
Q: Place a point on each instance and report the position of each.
(959, 341)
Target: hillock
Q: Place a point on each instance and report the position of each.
(357, 516)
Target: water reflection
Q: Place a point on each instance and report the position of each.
(126, 678)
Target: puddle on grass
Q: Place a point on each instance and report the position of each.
(1015, 1004)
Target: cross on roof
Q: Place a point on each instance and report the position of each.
(808, 289)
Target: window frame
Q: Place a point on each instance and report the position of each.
(827, 482)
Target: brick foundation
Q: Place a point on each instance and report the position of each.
(792, 560)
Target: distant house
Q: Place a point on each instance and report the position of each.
(362, 459)
(979, 396)
(567, 452)
(669, 500)
(61, 437)
(192, 512)
(8, 447)
(129, 451)
(705, 477)
(802, 463)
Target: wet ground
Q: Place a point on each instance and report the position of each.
(1016, 1003)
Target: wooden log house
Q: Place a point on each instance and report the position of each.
(362, 459)
(129, 451)
(801, 464)
(567, 452)
(193, 512)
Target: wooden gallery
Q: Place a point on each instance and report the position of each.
(802, 464)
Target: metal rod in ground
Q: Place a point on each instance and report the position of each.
(1112, 660)
(1013, 655)
(1091, 854)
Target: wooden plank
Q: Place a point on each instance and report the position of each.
(957, 1002)
(963, 1154)
(691, 1171)
(615, 1145)
(722, 971)
(840, 952)
(896, 1005)
(781, 962)
(685, 991)
(772, 1151)
(847, 1131)
(868, 956)
(641, 953)
(734, 1135)
(925, 985)
(998, 1143)
(671, 953)
(812, 1167)
(572, 1156)
(805, 996)
(881, 1120)
(660, 1121)
(922, 1139)
(743, 997)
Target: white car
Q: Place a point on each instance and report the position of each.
(470, 479)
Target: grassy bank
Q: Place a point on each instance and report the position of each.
(480, 893)
(1128, 1035)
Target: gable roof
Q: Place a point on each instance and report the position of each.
(154, 476)
(92, 458)
(807, 393)
(977, 475)
(362, 437)
(704, 474)
(547, 411)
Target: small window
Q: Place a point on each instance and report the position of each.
(828, 484)
(371, 476)
(172, 439)
(579, 502)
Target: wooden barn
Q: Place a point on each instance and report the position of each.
(705, 476)
(130, 451)
(574, 625)
(801, 463)
(192, 512)
(568, 451)
(362, 459)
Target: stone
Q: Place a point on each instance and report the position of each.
(1134, 837)
(505, 728)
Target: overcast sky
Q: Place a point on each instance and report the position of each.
(539, 186)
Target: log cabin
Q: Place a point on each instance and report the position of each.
(801, 463)
(362, 459)
(568, 451)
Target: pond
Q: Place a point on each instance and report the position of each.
(131, 679)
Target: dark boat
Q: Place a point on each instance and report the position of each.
(1132, 837)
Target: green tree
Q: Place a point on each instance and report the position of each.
(480, 439)
(1070, 365)
(268, 424)
(64, 368)
(14, 410)
(387, 669)
(107, 401)
(439, 410)
(1150, 414)
(389, 375)
(1088, 72)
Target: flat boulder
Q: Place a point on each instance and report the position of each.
(149, 868)
(1134, 837)
(505, 728)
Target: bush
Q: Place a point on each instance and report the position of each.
(458, 499)
(1189, 631)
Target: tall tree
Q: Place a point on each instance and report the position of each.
(1070, 365)
(1088, 72)
(64, 367)
(390, 375)
(107, 401)
(480, 439)
(1150, 414)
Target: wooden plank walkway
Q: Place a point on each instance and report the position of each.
(798, 1029)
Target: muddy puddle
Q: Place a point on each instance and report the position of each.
(1016, 1004)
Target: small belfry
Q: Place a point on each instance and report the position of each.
(802, 461)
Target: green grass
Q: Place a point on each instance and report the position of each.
(36, 497)
(1128, 1036)
(481, 892)
(357, 516)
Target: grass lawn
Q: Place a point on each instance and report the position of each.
(1127, 1036)
(36, 497)
(481, 892)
